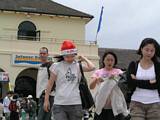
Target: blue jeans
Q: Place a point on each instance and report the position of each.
(42, 115)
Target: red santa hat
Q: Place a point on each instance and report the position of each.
(68, 48)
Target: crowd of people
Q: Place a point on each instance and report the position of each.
(59, 93)
(142, 79)
(15, 107)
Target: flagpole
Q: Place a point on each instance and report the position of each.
(96, 39)
(99, 25)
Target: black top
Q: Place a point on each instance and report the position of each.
(144, 84)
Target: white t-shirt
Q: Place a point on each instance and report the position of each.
(42, 81)
(67, 83)
(144, 95)
(6, 102)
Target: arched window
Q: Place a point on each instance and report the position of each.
(27, 31)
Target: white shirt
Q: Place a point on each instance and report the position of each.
(6, 102)
(145, 96)
(42, 81)
(67, 83)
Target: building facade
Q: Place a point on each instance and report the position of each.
(28, 25)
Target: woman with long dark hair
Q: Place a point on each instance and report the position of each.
(144, 81)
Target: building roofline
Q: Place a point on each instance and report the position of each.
(23, 11)
(45, 8)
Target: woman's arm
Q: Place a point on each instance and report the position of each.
(145, 84)
(93, 83)
(51, 81)
(89, 65)
(133, 81)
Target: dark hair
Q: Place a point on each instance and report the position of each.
(109, 53)
(44, 48)
(59, 58)
(15, 96)
(147, 41)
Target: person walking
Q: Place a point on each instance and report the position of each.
(42, 79)
(24, 108)
(109, 72)
(144, 81)
(6, 102)
(66, 75)
(32, 107)
(14, 107)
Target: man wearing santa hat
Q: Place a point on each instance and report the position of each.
(66, 75)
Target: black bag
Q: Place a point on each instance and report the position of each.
(86, 96)
(123, 85)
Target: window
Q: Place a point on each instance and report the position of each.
(27, 31)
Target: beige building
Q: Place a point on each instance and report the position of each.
(26, 26)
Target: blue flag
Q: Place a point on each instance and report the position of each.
(100, 20)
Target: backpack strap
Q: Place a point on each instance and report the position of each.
(82, 73)
(48, 66)
(81, 69)
(48, 70)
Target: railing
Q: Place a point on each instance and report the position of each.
(42, 39)
(10, 44)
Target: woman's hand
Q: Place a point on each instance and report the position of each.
(95, 81)
(81, 58)
(133, 77)
(89, 65)
(152, 81)
(46, 106)
(99, 80)
(111, 76)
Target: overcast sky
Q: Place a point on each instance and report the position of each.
(125, 22)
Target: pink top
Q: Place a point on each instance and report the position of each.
(104, 73)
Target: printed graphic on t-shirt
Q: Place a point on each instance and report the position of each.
(70, 76)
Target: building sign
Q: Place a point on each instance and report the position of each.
(4, 77)
(27, 60)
